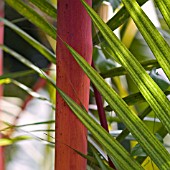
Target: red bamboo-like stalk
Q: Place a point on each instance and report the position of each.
(1, 69)
(74, 27)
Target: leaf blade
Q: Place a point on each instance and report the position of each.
(164, 7)
(130, 119)
(28, 64)
(148, 88)
(154, 39)
(118, 152)
(46, 7)
(32, 16)
(42, 49)
(116, 21)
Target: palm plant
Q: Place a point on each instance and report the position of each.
(112, 58)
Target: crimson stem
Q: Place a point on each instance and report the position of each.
(73, 27)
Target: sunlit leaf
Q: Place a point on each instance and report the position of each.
(164, 6)
(116, 21)
(154, 39)
(114, 148)
(32, 16)
(5, 81)
(42, 49)
(46, 7)
(139, 130)
(9, 141)
(148, 88)
(33, 93)
(28, 64)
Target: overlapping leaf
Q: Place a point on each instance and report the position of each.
(164, 7)
(42, 49)
(32, 16)
(114, 149)
(116, 21)
(46, 7)
(28, 64)
(148, 88)
(147, 140)
(154, 39)
(118, 71)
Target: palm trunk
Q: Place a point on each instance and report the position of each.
(74, 27)
(1, 69)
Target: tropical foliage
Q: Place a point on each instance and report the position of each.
(125, 79)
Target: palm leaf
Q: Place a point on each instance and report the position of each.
(164, 7)
(118, 71)
(32, 93)
(42, 49)
(46, 7)
(140, 131)
(28, 64)
(148, 88)
(114, 149)
(156, 42)
(32, 16)
(116, 21)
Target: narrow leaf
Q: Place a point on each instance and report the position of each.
(118, 71)
(164, 7)
(116, 21)
(28, 64)
(139, 130)
(148, 88)
(9, 141)
(32, 93)
(154, 39)
(32, 16)
(17, 74)
(114, 148)
(24, 125)
(46, 7)
(42, 49)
